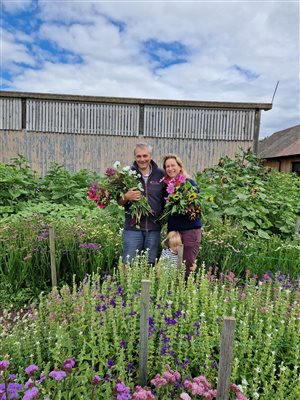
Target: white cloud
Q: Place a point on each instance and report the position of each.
(107, 38)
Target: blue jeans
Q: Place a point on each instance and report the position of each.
(135, 242)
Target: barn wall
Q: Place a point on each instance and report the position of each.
(98, 152)
(84, 132)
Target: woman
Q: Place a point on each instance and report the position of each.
(189, 228)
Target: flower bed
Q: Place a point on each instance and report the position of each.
(98, 324)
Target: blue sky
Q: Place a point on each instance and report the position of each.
(191, 50)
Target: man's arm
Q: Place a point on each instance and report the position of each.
(131, 195)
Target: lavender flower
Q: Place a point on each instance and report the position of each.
(57, 375)
(12, 390)
(96, 380)
(31, 393)
(4, 364)
(31, 369)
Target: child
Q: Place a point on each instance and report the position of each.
(170, 253)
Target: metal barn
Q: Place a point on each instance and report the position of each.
(93, 132)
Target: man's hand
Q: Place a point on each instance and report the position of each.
(132, 195)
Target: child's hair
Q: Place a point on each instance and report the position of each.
(173, 239)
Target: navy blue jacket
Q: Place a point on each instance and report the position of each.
(153, 190)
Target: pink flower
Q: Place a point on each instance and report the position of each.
(185, 396)
(240, 396)
(141, 393)
(158, 381)
(170, 188)
(181, 178)
(169, 377)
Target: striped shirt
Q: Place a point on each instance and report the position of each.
(168, 256)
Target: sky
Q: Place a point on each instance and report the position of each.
(232, 51)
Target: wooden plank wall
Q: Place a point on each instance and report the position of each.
(93, 135)
(97, 152)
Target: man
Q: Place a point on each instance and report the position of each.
(147, 235)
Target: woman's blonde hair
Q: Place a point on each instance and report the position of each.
(178, 161)
(173, 239)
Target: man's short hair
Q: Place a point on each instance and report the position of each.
(143, 145)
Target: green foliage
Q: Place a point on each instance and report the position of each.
(60, 186)
(261, 200)
(21, 188)
(91, 320)
(227, 247)
(18, 183)
(85, 240)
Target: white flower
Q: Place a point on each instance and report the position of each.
(117, 164)
(255, 395)
(127, 168)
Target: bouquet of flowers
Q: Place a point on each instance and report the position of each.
(116, 182)
(183, 198)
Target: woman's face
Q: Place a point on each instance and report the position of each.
(172, 168)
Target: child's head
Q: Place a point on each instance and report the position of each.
(173, 240)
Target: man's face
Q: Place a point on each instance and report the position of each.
(143, 159)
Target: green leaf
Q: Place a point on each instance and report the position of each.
(262, 234)
(248, 224)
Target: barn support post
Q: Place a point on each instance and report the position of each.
(256, 130)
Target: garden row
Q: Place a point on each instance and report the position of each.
(92, 329)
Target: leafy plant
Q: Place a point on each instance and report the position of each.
(263, 201)
(18, 183)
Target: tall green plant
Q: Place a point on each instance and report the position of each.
(60, 186)
(261, 200)
(18, 183)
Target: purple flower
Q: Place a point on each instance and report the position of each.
(4, 364)
(41, 380)
(112, 302)
(170, 321)
(12, 390)
(129, 367)
(122, 391)
(110, 363)
(31, 393)
(123, 343)
(31, 369)
(57, 375)
(69, 364)
(96, 380)
(29, 383)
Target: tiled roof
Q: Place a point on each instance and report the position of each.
(281, 144)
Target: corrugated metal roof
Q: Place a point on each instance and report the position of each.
(141, 101)
(281, 144)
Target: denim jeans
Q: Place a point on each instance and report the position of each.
(135, 242)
